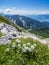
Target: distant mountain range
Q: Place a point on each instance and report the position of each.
(28, 22)
(40, 17)
(24, 21)
(32, 25)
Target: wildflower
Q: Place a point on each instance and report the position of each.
(23, 50)
(18, 41)
(13, 45)
(7, 50)
(28, 43)
(26, 48)
(34, 44)
(19, 45)
(32, 47)
(24, 45)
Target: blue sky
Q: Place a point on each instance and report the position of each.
(24, 6)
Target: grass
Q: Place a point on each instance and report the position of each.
(13, 55)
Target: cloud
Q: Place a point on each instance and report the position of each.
(7, 10)
(22, 11)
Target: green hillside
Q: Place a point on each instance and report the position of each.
(4, 19)
(24, 52)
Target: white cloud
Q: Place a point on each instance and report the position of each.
(22, 11)
(7, 10)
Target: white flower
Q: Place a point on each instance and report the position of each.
(18, 41)
(28, 43)
(26, 48)
(23, 50)
(7, 49)
(29, 49)
(24, 45)
(13, 45)
(34, 44)
(19, 45)
(32, 47)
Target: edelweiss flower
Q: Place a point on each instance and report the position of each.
(18, 41)
(34, 44)
(29, 49)
(26, 48)
(19, 45)
(13, 45)
(7, 49)
(24, 45)
(28, 43)
(32, 47)
(23, 50)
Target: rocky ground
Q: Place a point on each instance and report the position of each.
(9, 32)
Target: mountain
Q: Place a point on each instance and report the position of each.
(32, 25)
(40, 17)
(28, 22)
(24, 21)
(46, 23)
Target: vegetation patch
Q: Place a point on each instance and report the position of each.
(24, 52)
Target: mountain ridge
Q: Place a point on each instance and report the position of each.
(29, 23)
